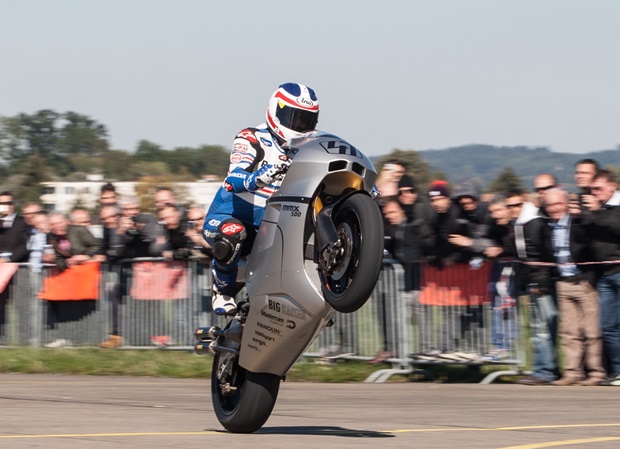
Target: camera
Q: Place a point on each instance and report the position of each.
(585, 191)
(191, 224)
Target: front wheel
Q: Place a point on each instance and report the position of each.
(242, 400)
(359, 225)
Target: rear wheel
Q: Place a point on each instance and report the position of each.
(359, 225)
(242, 400)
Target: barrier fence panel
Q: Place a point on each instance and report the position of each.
(466, 313)
(164, 302)
(418, 313)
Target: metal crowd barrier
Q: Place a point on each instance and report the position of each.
(464, 314)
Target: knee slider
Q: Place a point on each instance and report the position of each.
(228, 242)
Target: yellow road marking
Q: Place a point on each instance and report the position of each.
(129, 434)
(562, 443)
(495, 429)
(345, 431)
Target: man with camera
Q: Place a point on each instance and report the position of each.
(602, 214)
(141, 234)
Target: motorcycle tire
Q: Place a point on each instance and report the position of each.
(359, 225)
(251, 403)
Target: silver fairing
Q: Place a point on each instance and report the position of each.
(287, 309)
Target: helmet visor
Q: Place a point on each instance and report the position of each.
(295, 119)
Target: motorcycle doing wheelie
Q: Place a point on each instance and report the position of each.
(318, 250)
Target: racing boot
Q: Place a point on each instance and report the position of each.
(223, 299)
(223, 304)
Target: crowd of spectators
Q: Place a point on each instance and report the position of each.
(118, 230)
(561, 251)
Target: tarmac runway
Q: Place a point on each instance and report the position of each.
(67, 412)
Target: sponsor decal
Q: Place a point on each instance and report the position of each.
(306, 102)
(248, 135)
(266, 142)
(209, 234)
(285, 309)
(294, 210)
(340, 147)
(265, 336)
(232, 228)
(272, 317)
(269, 328)
(258, 341)
(291, 324)
(283, 157)
(214, 222)
(241, 147)
(235, 158)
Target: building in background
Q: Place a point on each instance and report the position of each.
(63, 196)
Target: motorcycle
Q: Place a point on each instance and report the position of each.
(318, 250)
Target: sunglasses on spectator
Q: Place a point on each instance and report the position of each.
(544, 189)
(6, 203)
(511, 206)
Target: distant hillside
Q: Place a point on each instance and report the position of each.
(485, 162)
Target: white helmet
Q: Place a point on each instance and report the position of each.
(293, 110)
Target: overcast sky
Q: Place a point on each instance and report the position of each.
(407, 74)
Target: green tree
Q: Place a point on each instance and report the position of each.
(205, 160)
(116, 165)
(33, 173)
(506, 181)
(25, 135)
(52, 136)
(148, 151)
(80, 134)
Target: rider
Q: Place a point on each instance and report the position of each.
(257, 165)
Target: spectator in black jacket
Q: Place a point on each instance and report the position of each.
(446, 225)
(467, 196)
(111, 251)
(603, 217)
(178, 245)
(140, 233)
(534, 285)
(407, 236)
(13, 244)
(453, 267)
(13, 231)
(407, 196)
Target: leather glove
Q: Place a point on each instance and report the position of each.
(266, 175)
(269, 173)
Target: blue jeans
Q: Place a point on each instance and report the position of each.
(543, 327)
(608, 288)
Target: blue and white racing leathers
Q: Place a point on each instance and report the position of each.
(241, 196)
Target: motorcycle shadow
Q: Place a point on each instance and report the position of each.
(324, 430)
